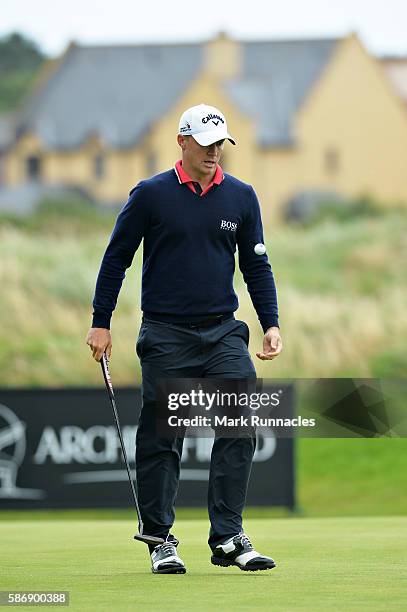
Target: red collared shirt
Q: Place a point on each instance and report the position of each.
(183, 177)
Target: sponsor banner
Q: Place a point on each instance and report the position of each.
(59, 448)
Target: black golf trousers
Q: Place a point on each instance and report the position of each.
(169, 350)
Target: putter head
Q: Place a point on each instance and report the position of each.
(152, 540)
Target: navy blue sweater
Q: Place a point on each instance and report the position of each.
(188, 251)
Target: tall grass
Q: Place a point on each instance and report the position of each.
(341, 285)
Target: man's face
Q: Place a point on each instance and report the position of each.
(201, 159)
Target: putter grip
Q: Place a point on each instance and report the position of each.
(104, 362)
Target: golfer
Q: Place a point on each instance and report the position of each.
(191, 218)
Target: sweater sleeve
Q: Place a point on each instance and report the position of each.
(128, 232)
(256, 269)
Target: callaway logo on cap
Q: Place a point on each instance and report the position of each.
(205, 123)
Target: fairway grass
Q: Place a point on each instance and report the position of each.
(353, 563)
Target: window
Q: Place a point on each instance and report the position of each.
(33, 168)
(331, 160)
(99, 166)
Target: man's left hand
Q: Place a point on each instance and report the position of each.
(272, 344)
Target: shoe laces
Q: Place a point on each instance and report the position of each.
(168, 548)
(244, 539)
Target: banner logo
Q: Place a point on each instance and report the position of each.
(12, 453)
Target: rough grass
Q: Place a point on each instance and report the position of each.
(342, 295)
(322, 564)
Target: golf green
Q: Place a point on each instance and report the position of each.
(322, 564)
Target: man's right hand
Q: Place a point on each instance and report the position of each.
(99, 340)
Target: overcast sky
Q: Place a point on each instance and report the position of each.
(381, 24)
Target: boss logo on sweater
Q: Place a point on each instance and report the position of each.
(228, 225)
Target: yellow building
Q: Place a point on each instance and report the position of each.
(308, 115)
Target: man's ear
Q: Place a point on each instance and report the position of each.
(182, 141)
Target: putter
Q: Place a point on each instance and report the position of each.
(142, 537)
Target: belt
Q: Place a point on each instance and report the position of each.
(192, 324)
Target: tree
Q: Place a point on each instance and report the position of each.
(20, 60)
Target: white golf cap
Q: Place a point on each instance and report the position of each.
(205, 123)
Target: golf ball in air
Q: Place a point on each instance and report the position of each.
(259, 249)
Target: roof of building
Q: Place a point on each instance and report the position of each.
(118, 92)
(6, 131)
(276, 78)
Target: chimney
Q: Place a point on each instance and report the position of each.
(222, 57)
